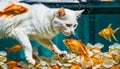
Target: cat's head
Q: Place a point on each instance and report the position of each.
(66, 20)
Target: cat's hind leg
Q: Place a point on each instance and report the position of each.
(23, 38)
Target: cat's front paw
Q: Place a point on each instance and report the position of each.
(30, 60)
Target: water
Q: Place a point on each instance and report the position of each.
(96, 17)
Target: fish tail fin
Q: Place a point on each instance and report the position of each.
(116, 29)
(8, 50)
(114, 37)
(114, 32)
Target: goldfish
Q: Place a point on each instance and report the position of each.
(76, 46)
(15, 48)
(11, 63)
(108, 32)
(55, 67)
(16, 68)
(13, 10)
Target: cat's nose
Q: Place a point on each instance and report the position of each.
(71, 32)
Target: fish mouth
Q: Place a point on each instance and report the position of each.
(64, 41)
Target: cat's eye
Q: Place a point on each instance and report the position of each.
(75, 25)
(68, 25)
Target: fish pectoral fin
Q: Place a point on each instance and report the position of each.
(114, 37)
(110, 39)
(105, 37)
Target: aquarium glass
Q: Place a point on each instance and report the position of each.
(96, 17)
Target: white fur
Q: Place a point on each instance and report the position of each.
(39, 23)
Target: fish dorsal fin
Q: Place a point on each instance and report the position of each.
(80, 42)
(109, 25)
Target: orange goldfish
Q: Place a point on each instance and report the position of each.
(11, 63)
(13, 10)
(76, 46)
(55, 67)
(16, 68)
(15, 48)
(108, 32)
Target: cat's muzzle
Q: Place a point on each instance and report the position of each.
(67, 33)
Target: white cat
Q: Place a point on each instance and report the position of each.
(39, 23)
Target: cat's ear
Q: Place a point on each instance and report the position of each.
(60, 12)
(78, 13)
